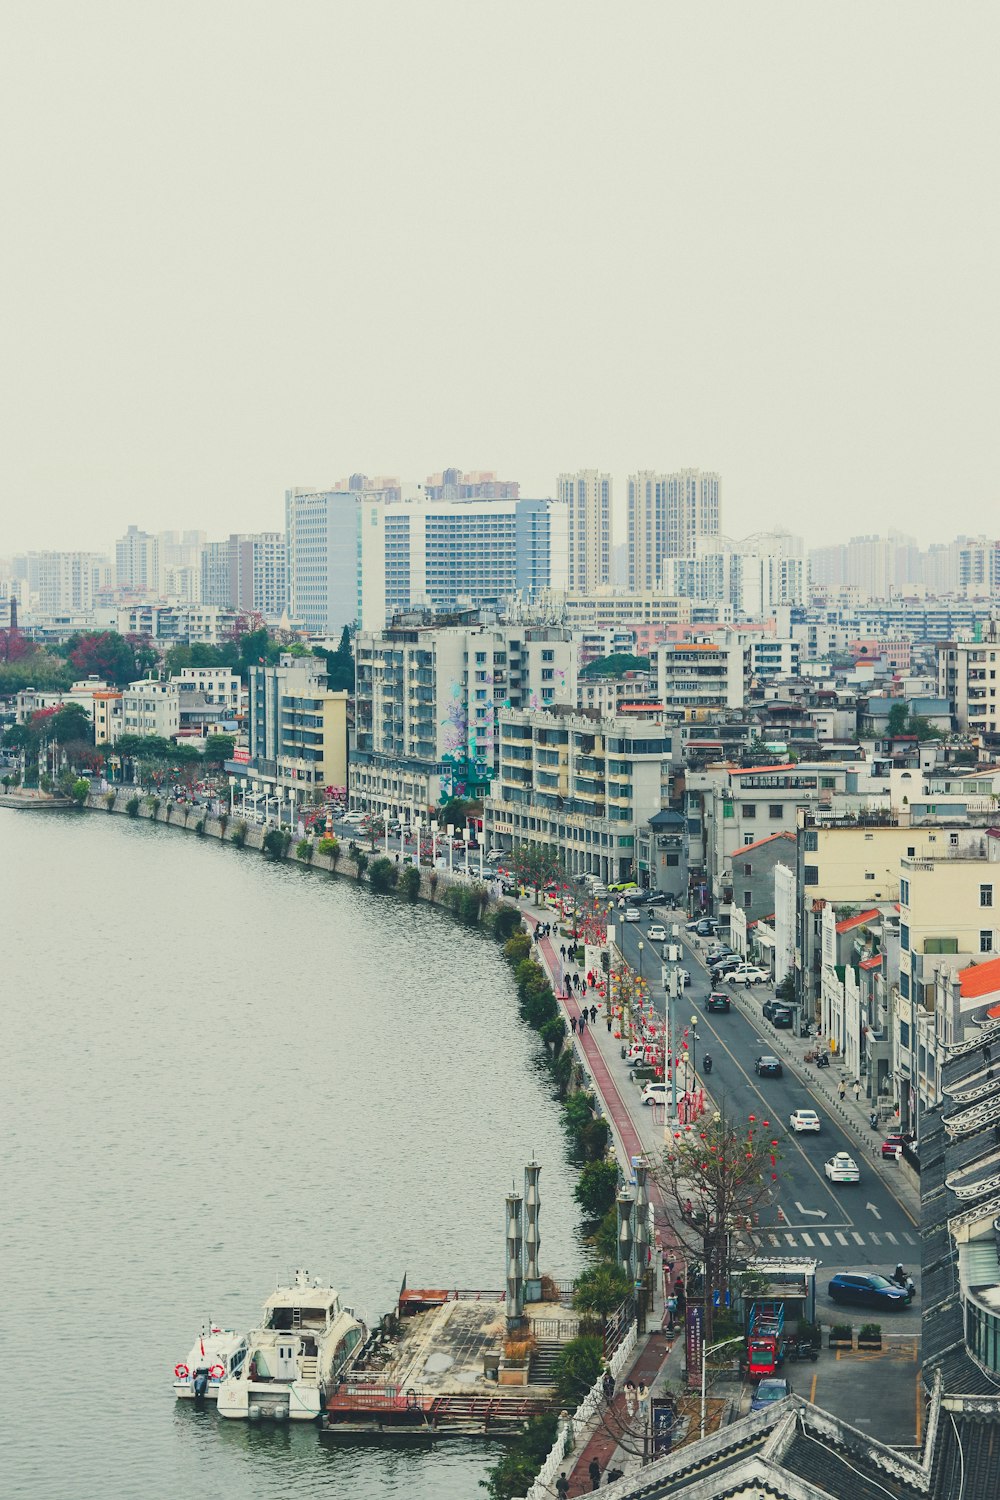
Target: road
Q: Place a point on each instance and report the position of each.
(857, 1226)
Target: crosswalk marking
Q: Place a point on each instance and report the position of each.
(891, 1238)
(875, 1239)
(823, 1238)
(790, 1238)
(908, 1238)
(806, 1239)
(841, 1237)
(859, 1238)
(774, 1239)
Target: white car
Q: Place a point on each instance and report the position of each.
(657, 933)
(631, 914)
(804, 1119)
(747, 972)
(654, 1093)
(842, 1168)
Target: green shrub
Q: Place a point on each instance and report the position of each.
(80, 791)
(329, 847)
(841, 1331)
(199, 827)
(432, 884)
(238, 837)
(383, 874)
(304, 850)
(275, 843)
(514, 1473)
(597, 1188)
(223, 824)
(409, 883)
(132, 807)
(153, 803)
(553, 1032)
(577, 1367)
(809, 1332)
(110, 798)
(361, 860)
(870, 1331)
(506, 921)
(517, 948)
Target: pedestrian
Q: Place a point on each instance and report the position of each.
(630, 1398)
(562, 951)
(609, 1023)
(594, 1470)
(593, 1014)
(874, 1119)
(642, 1401)
(857, 1091)
(562, 1486)
(569, 986)
(671, 1309)
(583, 1022)
(572, 1024)
(608, 1385)
(746, 983)
(842, 1091)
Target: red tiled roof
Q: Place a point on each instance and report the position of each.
(993, 1014)
(753, 770)
(859, 920)
(746, 848)
(872, 963)
(980, 979)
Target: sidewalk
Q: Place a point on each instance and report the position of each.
(659, 1357)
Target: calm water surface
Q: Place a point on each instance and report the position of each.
(215, 1070)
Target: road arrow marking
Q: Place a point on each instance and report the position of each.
(816, 1213)
(872, 1209)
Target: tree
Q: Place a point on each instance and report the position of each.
(898, 715)
(275, 843)
(601, 1290)
(339, 664)
(71, 723)
(383, 874)
(14, 646)
(716, 1176)
(577, 1367)
(104, 654)
(219, 748)
(597, 1188)
(786, 989)
(615, 666)
(536, 865)
(514, 1473)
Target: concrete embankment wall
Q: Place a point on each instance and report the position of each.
(184, 818)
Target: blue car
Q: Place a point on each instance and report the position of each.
(768, 1392)
(868, 1291)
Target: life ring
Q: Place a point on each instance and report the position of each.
(217, 1372)
(181, 1372)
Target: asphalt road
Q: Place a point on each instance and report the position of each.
(860, 1226)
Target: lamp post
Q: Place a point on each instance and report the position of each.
(710, 1349)
(434, 843)
(451, 848)
(640, 960)
(694, 1048)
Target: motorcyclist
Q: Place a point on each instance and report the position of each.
(903, 1278)
(706, 1062)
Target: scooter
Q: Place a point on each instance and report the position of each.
(901, 1278)
(800, 1349)
(822, 1061)
(706, 1064)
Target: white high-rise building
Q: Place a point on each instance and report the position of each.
(321, 538)
(692, 509)
(979, 566)
(137, 563)
(668, 514)
(772, 573)
(248, 571)
(588, 496)
(63, 581)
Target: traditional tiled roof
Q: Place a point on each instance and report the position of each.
(874, 962)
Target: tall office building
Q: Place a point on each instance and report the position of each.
(443, 554)
(322, 553)
(137, 562)
(248, 572)
(588, 496)
(62, 581)
(667, 515)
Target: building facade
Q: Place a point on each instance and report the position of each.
(322, 553)
(151, 707)
(588, 497)
(298, 735)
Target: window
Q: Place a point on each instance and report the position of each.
(811, 842)
(911, 851)
(775, 810)
(986, 895)
(810, 875)
(904, 1032)
(986, 941)
(953, 840)
(747, 900)
(748, 838)
(904, 986)
(904, 893)
(904, 937)
(749, 809)
(748, 869)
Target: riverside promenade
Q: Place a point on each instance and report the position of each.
(616, 1438)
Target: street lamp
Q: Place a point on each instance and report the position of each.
(694, 1048)
(710, 1349)
(640, 960)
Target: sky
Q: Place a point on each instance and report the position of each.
(248, 246)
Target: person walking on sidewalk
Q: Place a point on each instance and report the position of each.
(593, 1014)
(857, 1090)
(594, 1470)
(562, 1486)
(874, 1119)
(608, 1385)
(572, 1024)
(583, 1021)
(609, 1023)
(562, 951)
(842, 1091)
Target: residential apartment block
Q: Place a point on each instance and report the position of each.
(66, 581)
(588, 498)
(583, 785)
(322, 550)
(297, 732)
(247, 572)
(967, 677)
(428, 696)
(704, 675)
(151, 707)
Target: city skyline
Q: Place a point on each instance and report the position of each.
(209, 299)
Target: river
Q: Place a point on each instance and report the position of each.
(215, 1070)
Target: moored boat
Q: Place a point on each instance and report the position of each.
(304, 1343)
(214, 1356)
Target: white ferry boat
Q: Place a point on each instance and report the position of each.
(297, 1354)
(214, 1356)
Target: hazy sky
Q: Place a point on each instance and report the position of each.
(253, 245)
